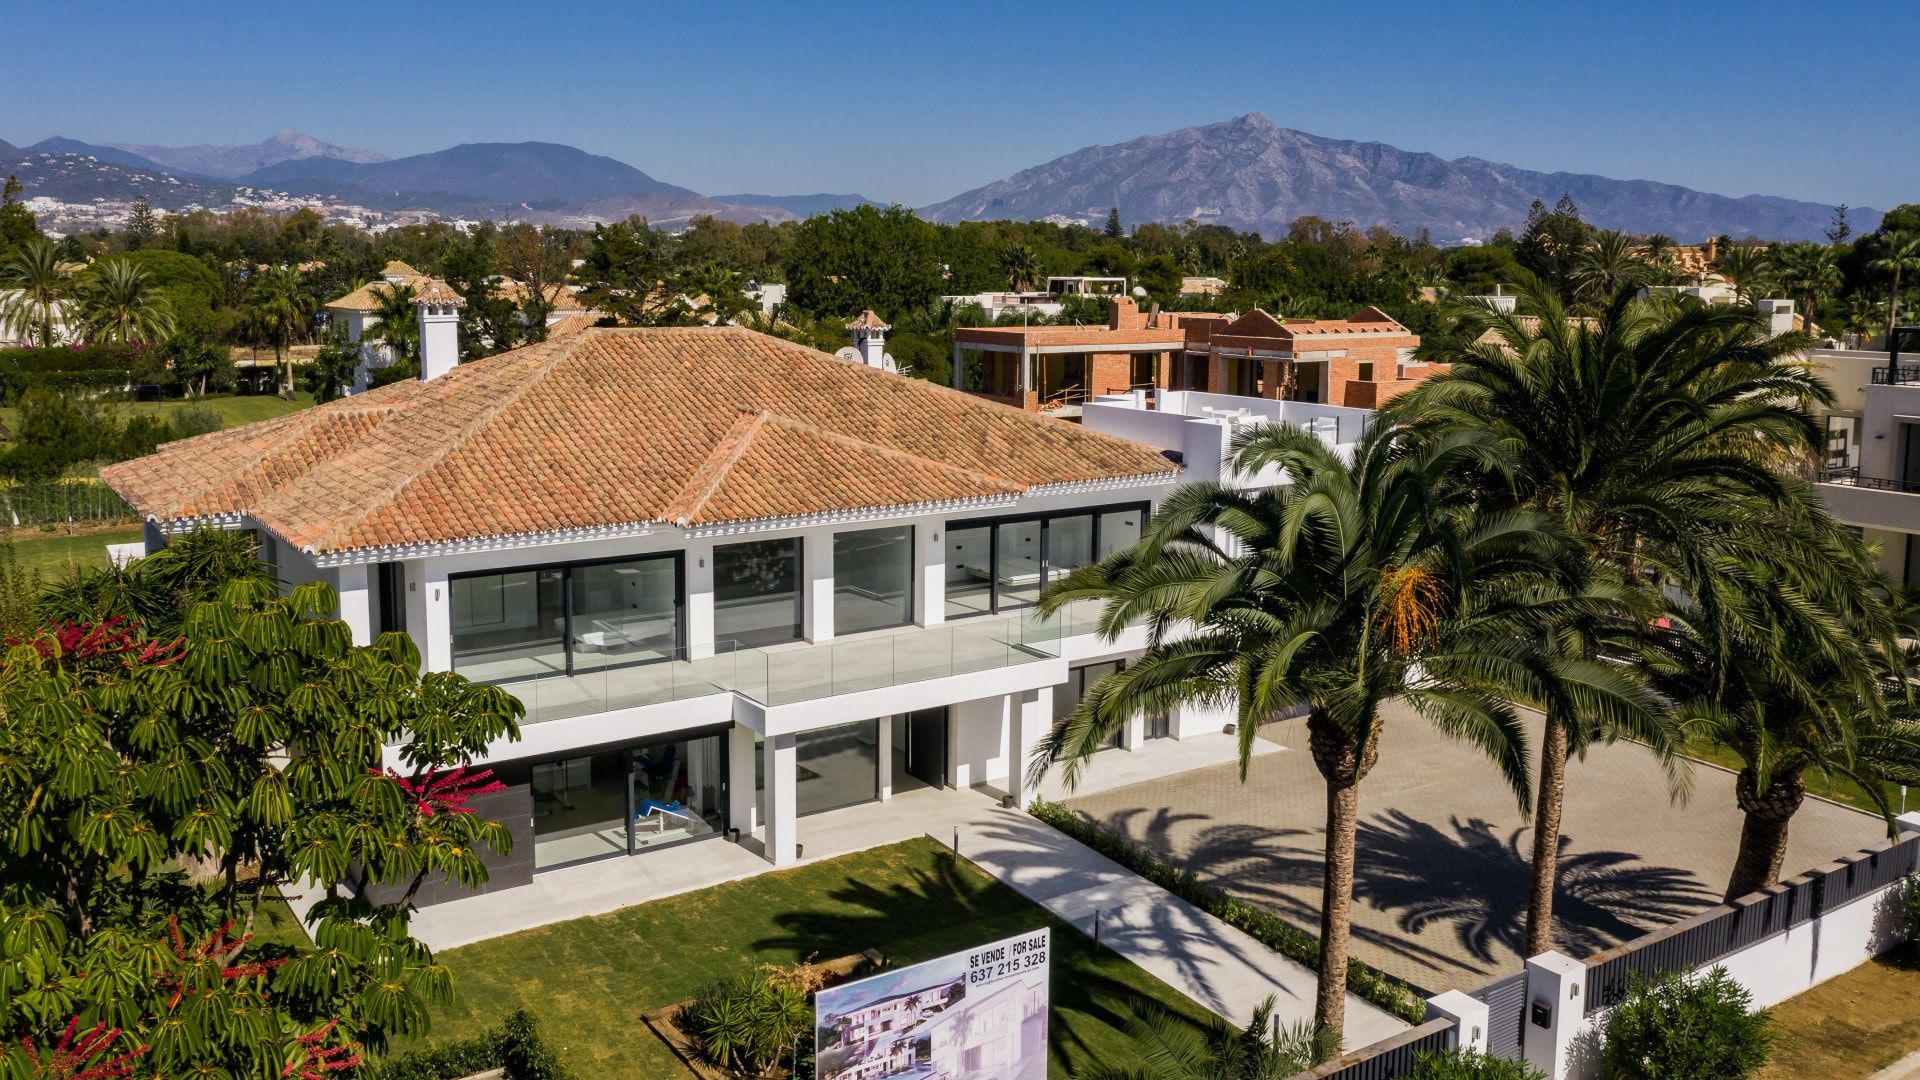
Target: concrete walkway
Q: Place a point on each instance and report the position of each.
(1225, 970)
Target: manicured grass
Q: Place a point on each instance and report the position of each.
(234, 411)
(589, 980)
(1851, 1026)
(52, 554)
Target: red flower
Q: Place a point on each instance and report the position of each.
(72, 1057)
(434, 791)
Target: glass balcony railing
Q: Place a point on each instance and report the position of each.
(803, 671)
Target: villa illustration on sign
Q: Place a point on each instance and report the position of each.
(967, 1016)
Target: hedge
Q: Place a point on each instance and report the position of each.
(1269, 929)
(74, 358)
(515, 1046)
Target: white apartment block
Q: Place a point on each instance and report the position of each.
(1872, 477)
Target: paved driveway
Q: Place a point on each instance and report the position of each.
(1441, 888)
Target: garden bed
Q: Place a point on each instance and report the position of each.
(665, 1022)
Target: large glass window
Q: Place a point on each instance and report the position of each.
(625, 612)
(1068, 695)
(622, 801)
(756, 592)
(872, 579)
(556, 620)
(509, 626)
(838, 766)
(1002, 565)
(969, 571)
(1016, 563)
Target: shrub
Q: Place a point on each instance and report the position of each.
(515, 1045)
(1269, 929)
(1676, 1028)
(1470, 1065)
(1910, 902)
(195, 420)
(751, 1021)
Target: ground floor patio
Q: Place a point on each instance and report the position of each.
(1441, 883)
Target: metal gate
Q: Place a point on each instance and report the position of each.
(1506, 1003)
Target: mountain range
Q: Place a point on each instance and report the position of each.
(1246, 173)
(1250, 174)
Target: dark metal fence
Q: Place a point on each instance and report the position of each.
(1849, 475)
(1724, 930)
(1506, 1003)
(1896, 374)
(1389, 1058)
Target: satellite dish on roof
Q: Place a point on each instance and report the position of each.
(1139, 292)
(848, 352)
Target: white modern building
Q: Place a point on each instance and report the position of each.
(735, 581)
(1876, 487)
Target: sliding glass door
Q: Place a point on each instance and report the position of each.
(560, 620)
(756, 592)
(1003, 564)
(619, 802)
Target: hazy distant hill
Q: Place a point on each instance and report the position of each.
(233, 162)
(803, 206)
(544, 176)
(1249, 174)
(59, 144)
(84, 177)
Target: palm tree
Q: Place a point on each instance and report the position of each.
(1796, 675)
(1021, 266)
(1657, 250)
(1355, 585)
(37, 286)
(1860, 316)
(1900, 252)
(1809, 272)
(1644, 435)
(121, 303)
(1608, 264)
(396, 324)
(1746, 268)
(279, 305)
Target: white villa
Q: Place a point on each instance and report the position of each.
(1873, 482)
(735, 581)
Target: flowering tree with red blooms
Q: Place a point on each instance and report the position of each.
(158, 791)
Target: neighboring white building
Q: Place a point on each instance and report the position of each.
(356, 313)
(869, 346)
(996, 304)
(734, 580)
(768, 296)
(1878, 491)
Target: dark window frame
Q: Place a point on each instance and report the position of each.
(799, 587)
(992, 525)
(912, 591)
(566, 605)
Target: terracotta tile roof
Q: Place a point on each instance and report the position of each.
(437, 292)
(559, 296)
(367, 297)
(868, 321)
(1259, 330)
(604, 427)
(396, 268)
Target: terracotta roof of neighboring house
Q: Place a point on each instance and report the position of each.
(1041, 336)
(568, 325)
(603, 428)
(559, 296)
(437, 292)
(1257, 329)
(867, 320)
(396, 268)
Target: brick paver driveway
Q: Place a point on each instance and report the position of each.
(1441, 889)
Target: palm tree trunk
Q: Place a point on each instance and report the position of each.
(1336, 904)
(1549, 801)
(1763, 835)
(1343, 762)
(1893, 307)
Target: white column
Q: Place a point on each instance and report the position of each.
(356, 601)
(699, 572)
(930, 574)
(780, 812)
(1469, 1015)
(1555, 982)
(1024, 381)
(816, 572)
(1135, 734)
(884, 747)
(429, 614)
(743, 802)
(1029, 720)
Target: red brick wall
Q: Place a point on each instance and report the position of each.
(1109, 373)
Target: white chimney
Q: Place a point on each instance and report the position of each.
(870, 341)
(439, 310)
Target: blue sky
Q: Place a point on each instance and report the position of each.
(917, 102)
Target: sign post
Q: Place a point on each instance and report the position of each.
(969, 1015)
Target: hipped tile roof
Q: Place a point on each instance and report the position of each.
(614, 427)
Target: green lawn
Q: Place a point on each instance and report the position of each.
(52, 553)
(590, 979)
(234, 411)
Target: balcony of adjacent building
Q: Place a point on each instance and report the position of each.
(1198, 429)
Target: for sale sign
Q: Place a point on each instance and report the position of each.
(970, 1015)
